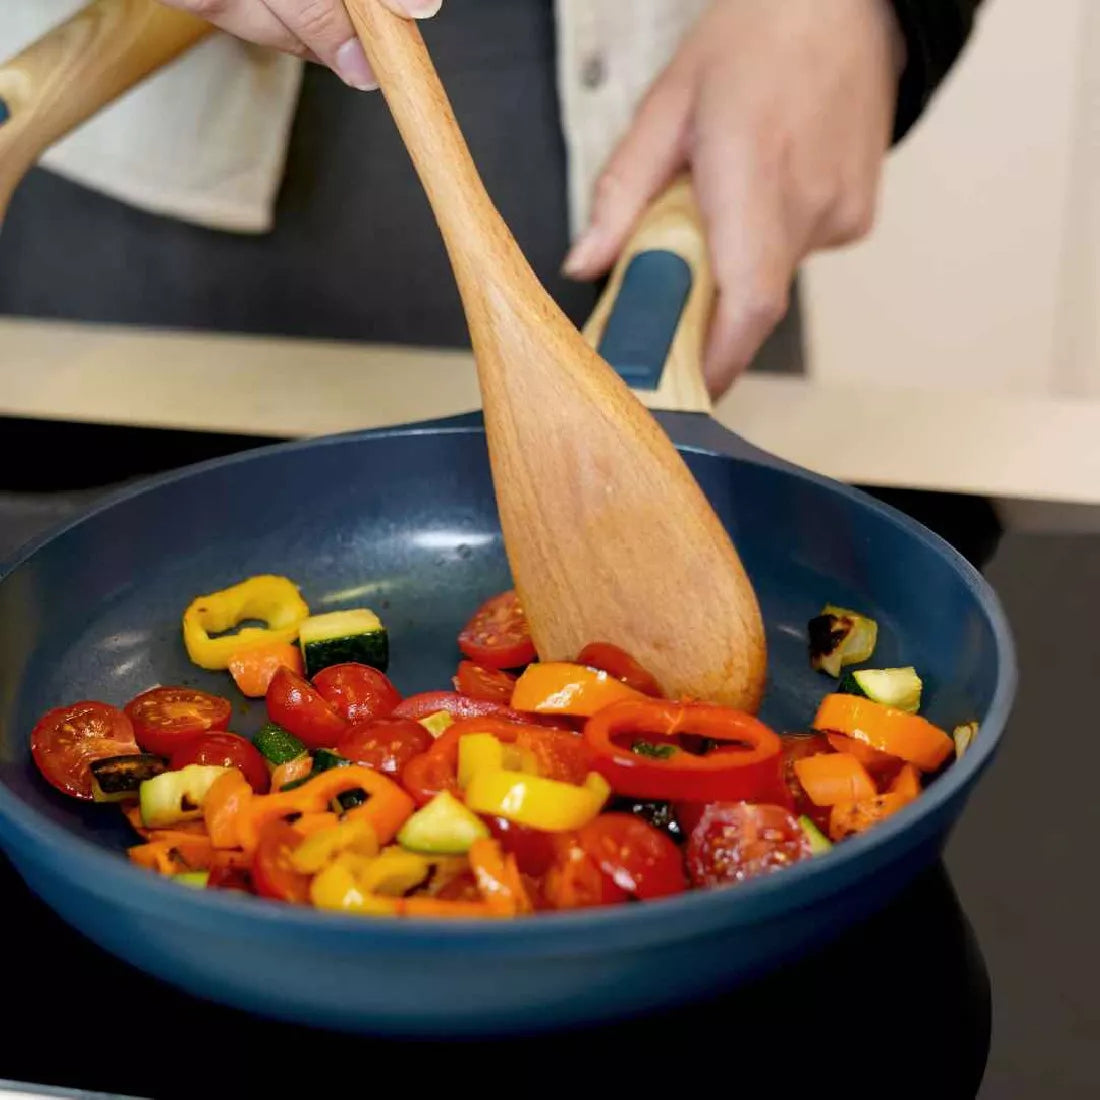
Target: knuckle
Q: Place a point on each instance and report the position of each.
(317, 19)
(853, 218)
(766, 306)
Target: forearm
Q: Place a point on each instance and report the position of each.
(935, 32)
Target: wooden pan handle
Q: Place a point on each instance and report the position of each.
(652, 319)
(79, 67)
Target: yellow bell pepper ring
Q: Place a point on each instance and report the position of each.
(538, 803)
(275, 600)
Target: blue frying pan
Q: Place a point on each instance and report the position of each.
(404, 520)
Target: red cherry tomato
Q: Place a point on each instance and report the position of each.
(497, 636)
(618, 663)
(226, 750)
(297, 706)
(166, 717)
(357, 692)
(735, 841)
(457, 706)
(534, 850)
(273, 875)
(427, 775)
(385, 744)
(559, 754)
(637, 858)
(67, 739)
(575, 880)
(797, 746)
(490, 684)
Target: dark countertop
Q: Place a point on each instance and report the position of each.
(1013, 864)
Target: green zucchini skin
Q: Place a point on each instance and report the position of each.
(364, 649)
(277, 745)
(116, 778)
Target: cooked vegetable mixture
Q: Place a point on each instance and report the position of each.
(529, 786)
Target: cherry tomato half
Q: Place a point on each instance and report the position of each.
(385, 744)
(735, 841)
(634, 855)
(67, 739)
(231, 870)
(296, 705)
(357, 692)
(166, 717)
(533, 849)
(226, 750)
(497, 636)
(490, 684)
(273, 875)
(618, 663)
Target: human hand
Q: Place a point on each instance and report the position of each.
(318, 30)
(784, 112)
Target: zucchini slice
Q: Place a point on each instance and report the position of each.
(276, 745)
(819, 842)
(443, 827)
(962, 736)
(117, 778)
(893, 687)
(342, 636)
(197, 880)
(177, 796)
(839, 637)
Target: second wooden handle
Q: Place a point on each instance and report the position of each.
(79, 67)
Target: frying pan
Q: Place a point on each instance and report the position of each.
(404, 520)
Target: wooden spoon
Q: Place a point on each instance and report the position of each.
(608, 535)
(62, 79)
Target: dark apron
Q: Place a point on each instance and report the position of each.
(355, 253)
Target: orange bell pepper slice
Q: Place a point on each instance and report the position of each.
(879, 764)
(847, 818)
(906, 783)
(225, 802)
(253, 667)
(885, 728)
(559, 687)
(132, 812)
(385, 810)
(832, 777)
(498, 879)
(175, 855)
(291, 771)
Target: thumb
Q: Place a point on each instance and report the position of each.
(643, 163)
(414, 9)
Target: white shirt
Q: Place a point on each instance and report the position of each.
(205, 139)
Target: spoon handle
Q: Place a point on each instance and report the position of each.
(72, 71)
(652, 319)
(478, 242)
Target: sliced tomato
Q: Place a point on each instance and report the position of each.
(490, 684)
(357, 692)
(533, 849)
(296, 705)
(559, 754)
(273, 875)
(736, 841)
(636, 857)
(67, 740)
(498, 636)
(618, 663)
(797, 746)
(385, 744)
(166, 717)
(226, 750)
(575, 880)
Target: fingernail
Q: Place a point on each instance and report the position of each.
(580, 256)
(353, 68)
(422, 9)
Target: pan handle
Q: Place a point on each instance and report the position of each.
(77, 68)
(651, 322)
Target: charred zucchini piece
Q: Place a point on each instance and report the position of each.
(117, 778)
(892, 687)
(962, 736)
(839, 637)
(177, 796)
(342, 636)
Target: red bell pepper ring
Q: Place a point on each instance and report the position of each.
(738, 774)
